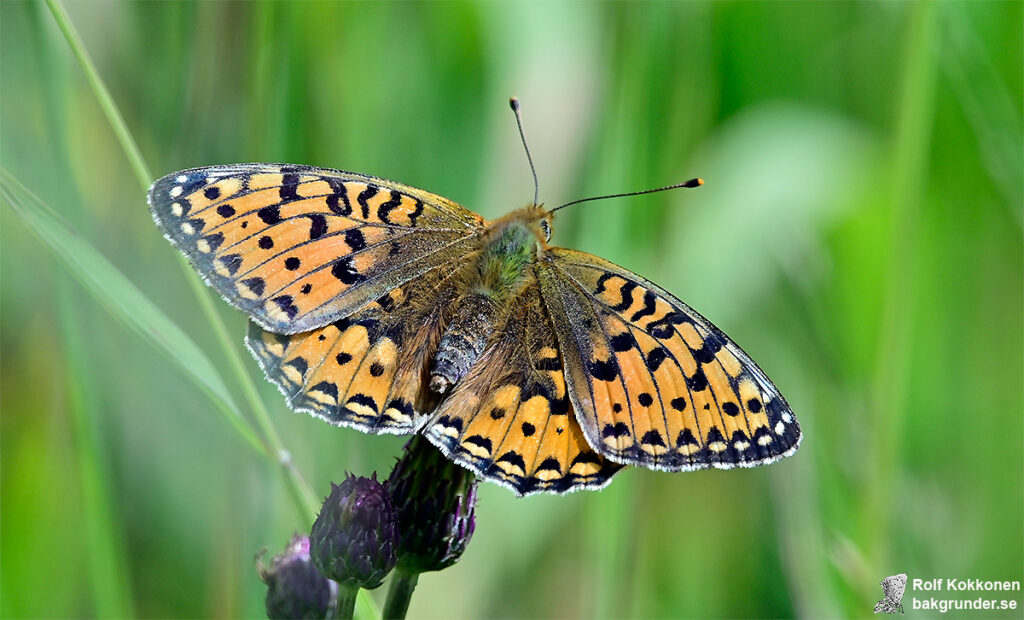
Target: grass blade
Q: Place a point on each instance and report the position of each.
(124, 300)
(298, 488)
(101, 525)
(102, 94)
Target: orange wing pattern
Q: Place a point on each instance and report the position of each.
(297, 247)
(510, 419)
(369, 370)
(653, 382)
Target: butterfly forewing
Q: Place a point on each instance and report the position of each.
(298, 247)
(654, 383)
(510, 420)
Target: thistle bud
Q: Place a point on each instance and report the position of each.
(295, 588)
(435, 500)
(353, 540)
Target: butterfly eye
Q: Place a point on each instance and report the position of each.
(545, 225)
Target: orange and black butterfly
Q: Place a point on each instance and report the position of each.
(389, 309)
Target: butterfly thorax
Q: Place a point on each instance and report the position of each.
(493, 278)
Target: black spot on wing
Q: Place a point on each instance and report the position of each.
(355, 239)
(619, 429)
(479, 441)
(214, 241)
(559, 406)
(385, 208)
(416, 212)
(698, 382)
(402, 405)
(513, 458)
(715, 435)
(550, 464)
(601, 281)
(587, 457)
(231, 262)
(364, 197)
(256, 285)
(652, 438)
(712, 345)
(327, 388)
(626, 291)
(299, 364)
(548, 363)
(344, 269)
(647, 310)
(317, 226)
(289, 187)
(686, 437)
(270, 215)
(603, 370)
(366, 401)
(664, 327)
(338, 201)
(285, 303)
(622, 342)
(655, 358)
(450, 422)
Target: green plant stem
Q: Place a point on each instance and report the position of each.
(915, 115)
(107, 570)
(302, 495)
(102, 94)
(345, 604)
(125, 302)
(298, 488)
(399, 594)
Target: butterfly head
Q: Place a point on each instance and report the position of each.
(530, 227)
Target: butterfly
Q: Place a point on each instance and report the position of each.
(892, 589)
(389, 309)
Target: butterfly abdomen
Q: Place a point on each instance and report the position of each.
(463, 340)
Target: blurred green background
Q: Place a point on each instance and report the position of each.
(859, 235)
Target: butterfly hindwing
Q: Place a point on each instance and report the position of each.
(368, 370)
(297, 247)
(510, 419)
(654, 383)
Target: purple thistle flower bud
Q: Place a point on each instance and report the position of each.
(436, 501)
(353, 540)
(295, 588)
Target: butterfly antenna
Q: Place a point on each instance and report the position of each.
(690, 183)
(514, 104)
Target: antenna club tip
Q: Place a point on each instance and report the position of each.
(694, 182)
(513, 102)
